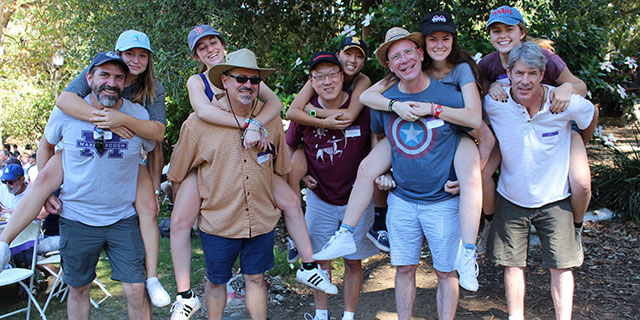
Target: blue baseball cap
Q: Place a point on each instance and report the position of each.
(200, 32)
(108, 56)
(12, 172)
(507, 15)
(133, 39)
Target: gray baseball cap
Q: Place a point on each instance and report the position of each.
(200, 32)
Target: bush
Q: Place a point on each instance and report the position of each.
(616, 185)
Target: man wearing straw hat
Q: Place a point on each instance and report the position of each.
(422, 154)
(238, 213)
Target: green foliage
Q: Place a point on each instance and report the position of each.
(283, 34)
(617, 185)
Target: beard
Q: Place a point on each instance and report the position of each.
(107, 100)
(246, 97)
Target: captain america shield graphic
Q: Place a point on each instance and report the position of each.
(412, 140)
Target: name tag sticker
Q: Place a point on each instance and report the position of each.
(550, 134)
(263, 156)
(351, 132)
(434, 123)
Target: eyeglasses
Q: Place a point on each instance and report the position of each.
(98, 137)
(243, 79)
(320, 77)
(9, 182)
(407, 53)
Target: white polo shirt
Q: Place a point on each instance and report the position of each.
(535, 150)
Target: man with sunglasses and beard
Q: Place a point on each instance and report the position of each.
(100, 180)
(13, 178)
(238, 212)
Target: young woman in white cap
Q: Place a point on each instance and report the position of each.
(446, 62)
(208, 47)
(507, 29)
(141, 87)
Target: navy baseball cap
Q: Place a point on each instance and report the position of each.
(507, 15)
(200, 32)
(323, 56)
(12, 172)
(108, 56)
(438, 21)
(354, 42)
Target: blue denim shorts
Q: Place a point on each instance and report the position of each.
(256, 255)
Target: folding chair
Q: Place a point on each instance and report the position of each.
(60, 287)
(16, 275)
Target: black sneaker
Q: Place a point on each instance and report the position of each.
(380, 238)
(292, 252)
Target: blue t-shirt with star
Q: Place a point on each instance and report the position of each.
(421, 151)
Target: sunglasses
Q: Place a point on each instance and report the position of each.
(9, 182)
(98, 137)
(243, 79)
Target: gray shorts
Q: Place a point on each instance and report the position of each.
(323, 220)
(508, 240)
(409, 223)
(80, 247)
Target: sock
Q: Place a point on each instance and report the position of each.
(348, 227)
(488, 217)
(347, 315)
(469, 246)
(186, 294)
(322, 314)
(152, 280)
(516, 318)
(379, 221)
(309, 265)
(577, 225)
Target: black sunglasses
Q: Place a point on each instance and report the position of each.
(243, 79)
(9, 182)
(99, 140)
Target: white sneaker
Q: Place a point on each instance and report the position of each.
(184, 309)
(468, 270)
(317, 279)
(340, 244)
(5, 255)
(159, 296)
(481, 248)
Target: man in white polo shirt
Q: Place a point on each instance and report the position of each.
(533, 186)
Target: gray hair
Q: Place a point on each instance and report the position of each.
(530, 54)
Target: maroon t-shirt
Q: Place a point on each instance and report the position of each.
(333, 156)
(491, 68)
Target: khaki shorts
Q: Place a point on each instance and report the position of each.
(508, 241)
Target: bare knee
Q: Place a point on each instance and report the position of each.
(147, 208)
(444, 276)
(406, 271)
(255, 280)
(352, 265)
(135, 292)
(80, 291)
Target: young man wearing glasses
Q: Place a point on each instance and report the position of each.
(100, 180)
(333, 156)
(237, 212)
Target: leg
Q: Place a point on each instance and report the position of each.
(185, 211)
(27, 209)
(587, 133)
(298, 170)
(488, 185)
(137, 301)
(256, 296)
(579, 178)
(562, 292)
(352, 283)
(216, 299)
(447, 295)
(78, 306)
(405, 290)
(289, 203)
(375, 164)
(147, 207)
(467, 166)
(514, 287)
